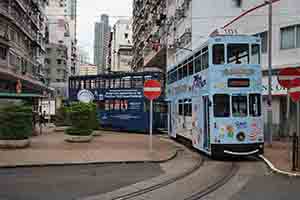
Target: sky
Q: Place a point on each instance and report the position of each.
(89, 12)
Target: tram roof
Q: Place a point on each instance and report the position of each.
(117, 74)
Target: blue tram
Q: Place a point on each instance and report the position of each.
(215, 96)
(120, 100)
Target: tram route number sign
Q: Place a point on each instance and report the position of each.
(152, 89)
(290, 79)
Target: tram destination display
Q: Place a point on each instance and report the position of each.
(238, 82)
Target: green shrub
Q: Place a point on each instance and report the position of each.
(15, 123)
(79, 132)
(83, 115)
(62, 117)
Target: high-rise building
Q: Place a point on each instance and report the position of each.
(121, 46)
(149, 34)
(22, 47)
(101, 42)
(62, 38)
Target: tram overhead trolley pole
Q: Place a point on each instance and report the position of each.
(152, 90)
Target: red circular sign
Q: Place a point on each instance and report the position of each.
(289, 77)
(295, 93)
(152, 89)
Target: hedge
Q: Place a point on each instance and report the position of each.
(15, 123)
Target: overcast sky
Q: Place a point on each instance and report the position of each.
(89, 12)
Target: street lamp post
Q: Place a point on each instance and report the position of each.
(270, 114)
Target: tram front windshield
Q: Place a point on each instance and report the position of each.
(237, 105)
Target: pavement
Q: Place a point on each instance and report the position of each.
(278, 157)
(110, 147)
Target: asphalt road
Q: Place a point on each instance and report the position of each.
(69, 182)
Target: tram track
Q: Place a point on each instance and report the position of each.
(204, 190)
(162, 184)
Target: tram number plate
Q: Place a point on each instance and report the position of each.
(238, 82)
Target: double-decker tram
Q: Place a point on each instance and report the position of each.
(120, 100)
(215, 97)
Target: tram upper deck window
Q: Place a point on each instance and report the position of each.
(239, 106)
(198, 64)
(221, 105)
(190, 68)
(218, 54)
(180, 107)
(238, 54)
(255, 105)
(255, 54)
(205, 61)
(137, 82)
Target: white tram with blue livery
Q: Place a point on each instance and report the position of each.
(215, 97)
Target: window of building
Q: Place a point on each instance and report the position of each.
(3, 53)
(238, 53)
(239, 106)
(221, 105)
(298, 36)
(126, 35)
(58, 71)
(47, 61)
(255, 105)
(288, 37)
(218, 54)
(59, 61)
(255, 54)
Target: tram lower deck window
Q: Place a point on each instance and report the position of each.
(239, 106)
(221, 105)
(255, 105)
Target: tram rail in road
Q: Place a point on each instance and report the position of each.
(210, 188)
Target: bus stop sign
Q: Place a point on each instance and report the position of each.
(152, 89)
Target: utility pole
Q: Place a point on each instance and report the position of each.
(270, 114)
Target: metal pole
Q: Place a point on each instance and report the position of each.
(151, 119)
(298, 118)
(270, 114)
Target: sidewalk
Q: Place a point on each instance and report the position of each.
(51, 149)
(280, 156)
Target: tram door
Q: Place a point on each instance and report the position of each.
(206, 135)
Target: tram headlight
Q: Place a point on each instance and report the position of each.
(241, 136)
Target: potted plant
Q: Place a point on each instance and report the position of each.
(15, 126)
(82, 117)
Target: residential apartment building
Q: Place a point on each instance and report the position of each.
(22, 47)
(189, 23)
(121, 46)
(149, 34)
(101, 42)
(61, 26)
(57, 71)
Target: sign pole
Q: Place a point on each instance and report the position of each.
(298, 118)
(151, 120)
(270, 114)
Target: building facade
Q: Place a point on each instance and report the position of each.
(101, 42)
(149, 34)
(22, 46)
(87, 69)
(57, 71)
(190, 22)
(61, 26)
(121, 46)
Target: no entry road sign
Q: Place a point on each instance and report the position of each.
(295, 93)
(289, 77)
(152, 89)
